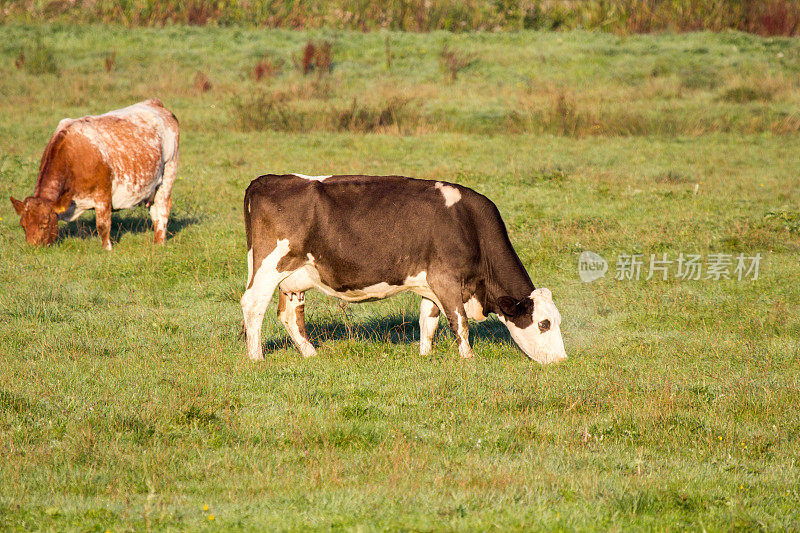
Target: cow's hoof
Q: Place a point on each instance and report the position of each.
(308, 353)
(255, 357)
(468, 355)
(107, 246)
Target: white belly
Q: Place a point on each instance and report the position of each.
(308, 277)
(126, 192)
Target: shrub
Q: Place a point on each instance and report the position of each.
(201, 82)
(316, 57)
(40, 59)
(565, 119)
(744, 94)
(671, 177)
(699, 77)
(272, 111)
(265, 111)
(111, 60)
(267, 68)
(764, 17)
(453, 61)
(786, 218)
(364, 118)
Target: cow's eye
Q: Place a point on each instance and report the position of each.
(544, 325)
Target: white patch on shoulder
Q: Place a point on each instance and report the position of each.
(451, 194)
(312, 178)
(474, 309)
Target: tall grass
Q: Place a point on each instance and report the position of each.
(763, 17)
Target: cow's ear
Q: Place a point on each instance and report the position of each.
(63, 202)
(19, 207)
(509, 306)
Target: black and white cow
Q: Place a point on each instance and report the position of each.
(363, 238)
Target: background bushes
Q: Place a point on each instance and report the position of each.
(763, 17)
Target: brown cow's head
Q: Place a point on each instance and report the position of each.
(39, 218)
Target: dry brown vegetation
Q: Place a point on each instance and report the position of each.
(110, 61)
(201, 82)
(266, 68)
(316, 57)
(274, 111)
(454, 61)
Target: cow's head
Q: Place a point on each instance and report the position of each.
(535, 325)
(39, 218)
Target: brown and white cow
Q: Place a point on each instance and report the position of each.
(117, 160)
(363, 238)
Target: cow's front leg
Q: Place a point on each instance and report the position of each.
(457, 318)
(291, 312)
(102, 215)
(428, 322)
(450, 296)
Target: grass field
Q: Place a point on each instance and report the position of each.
(125, 399)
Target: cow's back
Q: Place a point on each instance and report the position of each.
(355, 205)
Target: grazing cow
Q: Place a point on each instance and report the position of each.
(363, 238)
(117, 160)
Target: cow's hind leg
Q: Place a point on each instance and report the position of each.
(162, 202)
(291, 311)
(428, 322)
(258, 294)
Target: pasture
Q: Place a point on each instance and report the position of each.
(126, 402)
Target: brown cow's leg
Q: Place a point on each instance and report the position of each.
(291, 311)
(102, 213)
(449, 294)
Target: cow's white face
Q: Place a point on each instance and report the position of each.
(535, 325)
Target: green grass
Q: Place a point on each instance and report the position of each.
(125, 399)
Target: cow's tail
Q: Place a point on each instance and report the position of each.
(249, 237)
(247, 217)
(248, 230)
